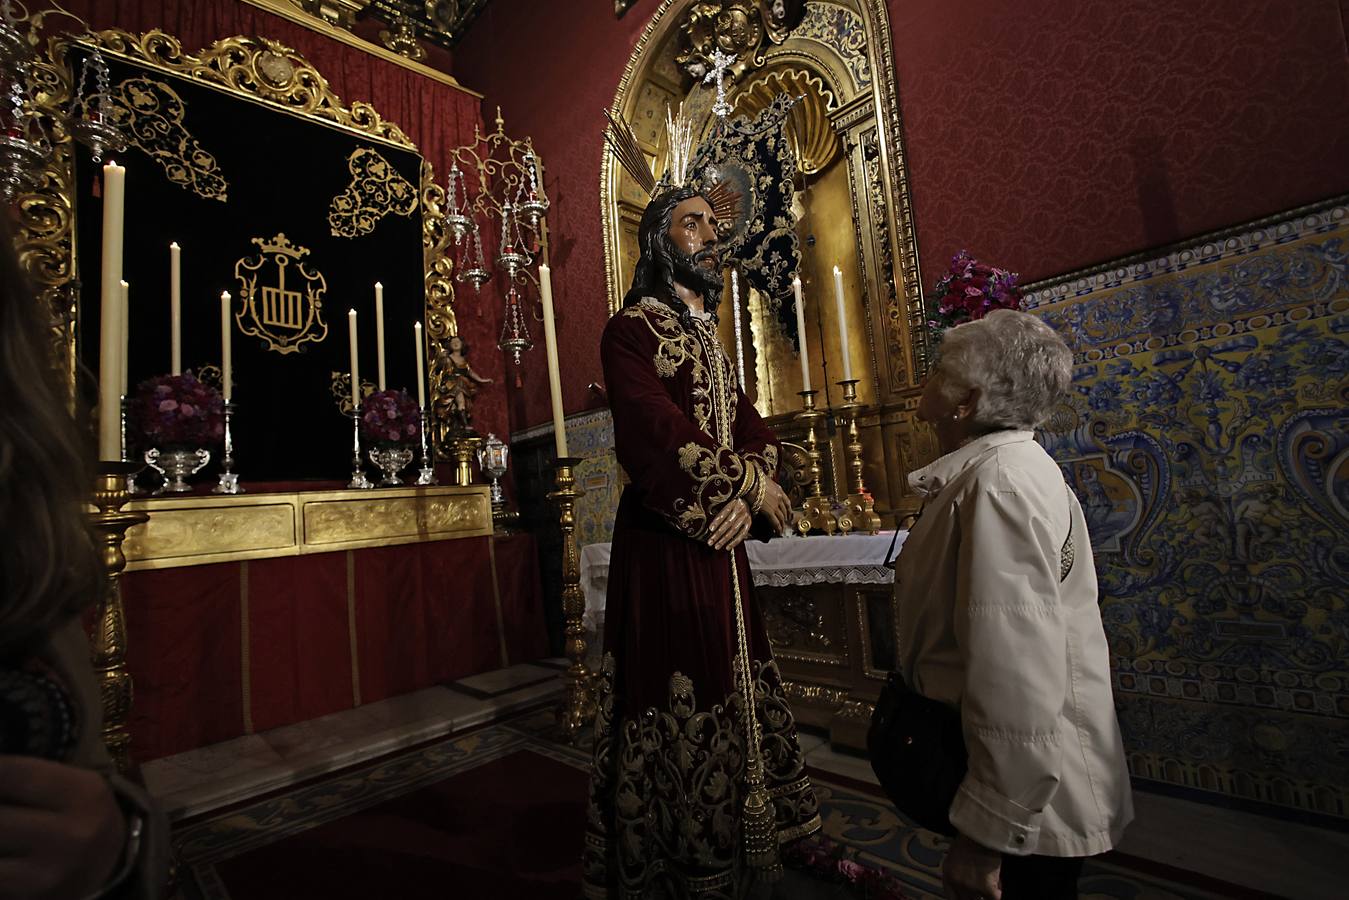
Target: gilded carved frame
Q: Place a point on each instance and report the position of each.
(260, 69)
(896, 251)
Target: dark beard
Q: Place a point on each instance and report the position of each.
(690, 272)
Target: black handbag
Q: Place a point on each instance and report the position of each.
(918, 753)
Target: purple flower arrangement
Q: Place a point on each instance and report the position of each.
(177, 411)
(827, 861)
(390, 417)
(970, 290)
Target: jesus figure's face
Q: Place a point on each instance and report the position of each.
(693, 238)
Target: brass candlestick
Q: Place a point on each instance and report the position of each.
(818, 516)
(859, 509)
(110, 523)
(464, 449)
(578, 702)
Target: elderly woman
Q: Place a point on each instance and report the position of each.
(999, 618)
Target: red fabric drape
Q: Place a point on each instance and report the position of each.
(183, 651)
(385, 620)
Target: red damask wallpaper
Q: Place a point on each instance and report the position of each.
(1046, 135)
(434, 115)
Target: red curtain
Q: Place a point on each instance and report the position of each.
(223, 650)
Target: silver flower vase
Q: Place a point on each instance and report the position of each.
(177, 466)
(391, 459)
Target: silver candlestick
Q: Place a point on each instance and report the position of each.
(358, 479)
(229, 481)
(126, 451)
(428, 473)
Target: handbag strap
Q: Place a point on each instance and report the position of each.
(1067, 553)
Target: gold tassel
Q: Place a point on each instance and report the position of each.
(758, 826)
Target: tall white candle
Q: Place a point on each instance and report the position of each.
(801, 334)
(110, 319)
(554, 374)
(226, 360)
(124, 361)
(379, 331)
(175, 309)
(355, 363)
(421, 366)
(842, 325)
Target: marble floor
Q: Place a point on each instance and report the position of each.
(1262, 854)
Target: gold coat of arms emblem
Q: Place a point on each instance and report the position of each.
(280, 296)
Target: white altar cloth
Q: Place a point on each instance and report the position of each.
(833, 559)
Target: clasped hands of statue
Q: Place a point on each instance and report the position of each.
(732, 525)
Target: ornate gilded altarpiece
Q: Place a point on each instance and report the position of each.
(278, 192)
(852, 207)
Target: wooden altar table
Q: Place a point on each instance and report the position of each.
(829, 608)
(251, 612)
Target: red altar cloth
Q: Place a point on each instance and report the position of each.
(223, 650)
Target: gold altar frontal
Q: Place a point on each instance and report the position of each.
(198, 530)
(835, 646)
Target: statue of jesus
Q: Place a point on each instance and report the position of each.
(698, 775)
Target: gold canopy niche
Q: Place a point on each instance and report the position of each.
(852, 209)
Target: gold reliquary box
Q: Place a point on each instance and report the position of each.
(196, 530)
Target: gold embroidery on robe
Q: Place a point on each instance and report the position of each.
(672, 781)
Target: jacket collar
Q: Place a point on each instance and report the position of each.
(936, 475)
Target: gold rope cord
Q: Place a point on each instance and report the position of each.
(758, 830)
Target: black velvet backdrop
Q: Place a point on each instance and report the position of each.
(283, 172)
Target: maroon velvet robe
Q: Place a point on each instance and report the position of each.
(670, 738)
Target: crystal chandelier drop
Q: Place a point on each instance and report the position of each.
(25, 139)
(515, 338)
(91, 125)
(532, 205)
(457, 221)
(474, 268)
(512, 256)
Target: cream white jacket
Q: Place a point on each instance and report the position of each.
(986, 622)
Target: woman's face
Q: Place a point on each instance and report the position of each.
(950, 419)
(933, 405)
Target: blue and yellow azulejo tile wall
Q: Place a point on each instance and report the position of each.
(1208, 440)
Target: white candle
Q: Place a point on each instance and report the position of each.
(801, 334)
(226, 362)
(421, 366)
(379, 331)
(124, 361)
(110, 319)
(554, 375)
(355, 364)
(175, 310)
(842, 324)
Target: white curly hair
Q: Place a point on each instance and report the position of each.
(1019, 365)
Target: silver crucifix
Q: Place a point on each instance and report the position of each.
(721, 64)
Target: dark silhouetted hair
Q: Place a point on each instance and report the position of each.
(49, 568)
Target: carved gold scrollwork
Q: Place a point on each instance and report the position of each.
(258, 67)
(376, 190)
(741, 28)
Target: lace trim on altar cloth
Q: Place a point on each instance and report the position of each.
(824, 575)
(849, 574)
(665, 792)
